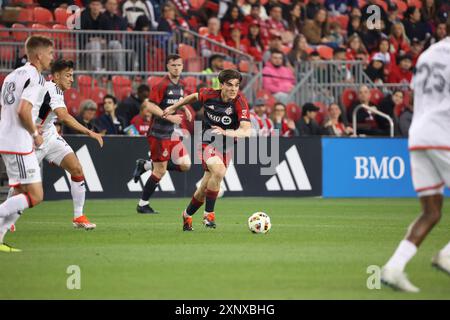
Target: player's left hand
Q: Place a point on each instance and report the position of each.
(97, 137)
(218, 130)
(168, 111)
(188, 114)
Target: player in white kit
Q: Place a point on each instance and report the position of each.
(21, 96)
(55, 149)
(429, 145)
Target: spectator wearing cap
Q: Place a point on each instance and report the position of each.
(402, 73)
(278, 79)
(375, 69)
(275, 43)
(414, 26)
(316, 30)
(307, 125)
(384, 53)
(236, 41)
(88, 109)
(215, 66)
(334, 125)
(366, 120)
(261, 123)
(143, 120)
(276, 21)
(439, 34)
(286, 127)
(233, 16)
(255, 42)
(131, 105)
(255, 17)
(110, 123)
(214, 34)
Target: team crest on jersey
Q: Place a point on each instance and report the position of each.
(165, 153)
(229, 111)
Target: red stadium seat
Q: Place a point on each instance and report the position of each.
(19, 35)
(186, 51)
(122, 93)
(263, 94)
(196, 4)
(61, 15)
(38, 26)
(7, 53)
(26, 15)
(402, 6)
(325, 52)
(153, 81)
(376, 96)
(415, 3)
(97, 94)
(203, 31)
(348, 97)
(293, 111)
(382, 4)
(229, 65)
(244, 66)
(191, 84)
(119, 84)
(42, 15)
(85, 85)
(4, 34)
(320, 116)
(73, 99)
(28, 3)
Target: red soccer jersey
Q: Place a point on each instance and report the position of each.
(141, 124)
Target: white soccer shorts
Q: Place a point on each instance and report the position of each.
(430, 170)
(22, 169)
(54, 150)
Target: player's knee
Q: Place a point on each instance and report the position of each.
(159, 172)
(76, 170)
(219, 173)
(36, 197)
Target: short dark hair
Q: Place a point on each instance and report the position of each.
(229, 74)
(172, 57)
(276, 51)
(35, 42)
(110, 96)
(142, 88)
(60, 65)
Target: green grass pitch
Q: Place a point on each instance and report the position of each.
(317, 249)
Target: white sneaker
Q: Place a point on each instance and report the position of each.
(441, 262)
(398, 280)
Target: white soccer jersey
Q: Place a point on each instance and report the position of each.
(430, 127)
(53, 99)
(23, 83)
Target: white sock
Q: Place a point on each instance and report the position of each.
(143, 203)
(405, 251)
(7, 223)
(446, 250)
(78, 190)
(10, 193)
(148, 165)
(13, 204)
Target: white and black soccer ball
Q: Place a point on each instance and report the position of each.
(259, 222)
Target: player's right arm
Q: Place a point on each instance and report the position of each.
(158, 112)
(185, 101)
(26, 118)
(71, 122)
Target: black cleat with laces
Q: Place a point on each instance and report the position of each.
(145, 209)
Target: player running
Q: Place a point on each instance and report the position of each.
(21, 96)
(169, 91)
(429, 145)
(55, 149)
(227, 114)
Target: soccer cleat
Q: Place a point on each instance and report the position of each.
(209, 220)
(83, 222)
(397, 280)
(187, 222)
(145, 209)
(8, 249)
(441, 262)
(139, 169)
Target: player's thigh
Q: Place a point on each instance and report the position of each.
(216, 166)
(58, 149)
(179, 154)
(441, 160)
(22, 169)
(71, 163)
(426, 177)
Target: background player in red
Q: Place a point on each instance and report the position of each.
(226, 115)
(163, 147)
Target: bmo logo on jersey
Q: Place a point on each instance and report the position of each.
(371, 168)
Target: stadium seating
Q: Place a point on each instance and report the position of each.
(4, 34)
(7, 53)
(196, 4)
(97, 94)
(28, 3)
(153, 81)
(38, 26)
(229, 65)
(263, 94)
(19, 35)
(376, 96)
(415, 3)
(349, 96)
(325, 52)
(122, 93)
(191, 84)
(25, 16)
(42, 15)
(186, 51)
(293, 111)
(73, 99)
(86, 84)
(61, 15)
(203, 31)
(121, 86)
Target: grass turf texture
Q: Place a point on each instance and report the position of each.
(317, 249)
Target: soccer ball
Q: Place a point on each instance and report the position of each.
(259, 222)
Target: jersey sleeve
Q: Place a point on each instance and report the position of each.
(242, 109)
(32, 89)
(205, 94)
(157, 93)
(56, 98)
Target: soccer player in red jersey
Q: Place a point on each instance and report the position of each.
(166, 93)
(226, 115)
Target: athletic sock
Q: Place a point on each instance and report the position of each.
(14, 204)
(446, 250)
(150, 187)
(404, 253)
(78, 190)
(210, 202)
(171, 166)
(193, 206)
(147, 165)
